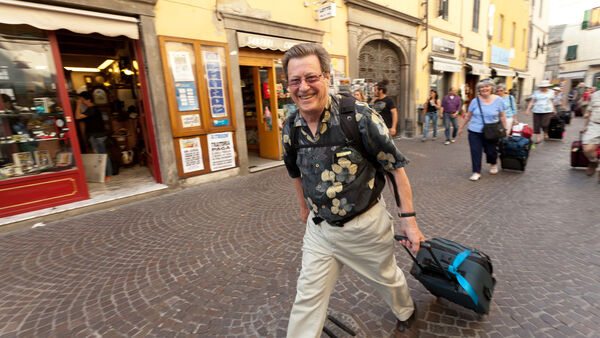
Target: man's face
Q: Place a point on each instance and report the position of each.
(376, 91)
(453, 91)
(311, 91)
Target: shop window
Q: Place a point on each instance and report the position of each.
(34, 136)
(571, 53)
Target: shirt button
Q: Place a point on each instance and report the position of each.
(317, 165)
(322, 207)
(319, 186)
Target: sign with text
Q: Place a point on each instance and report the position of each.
(191, 154)
(216, 91)
(220, 151)
(442, 45)
(474, 54)
(500, 56)
(326, 11)
(187, 100)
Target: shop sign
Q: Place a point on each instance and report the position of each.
(191, 154)
(181, 66)
(443, 45)
(265, 42)
(189, 121)
(474, 54)
(187, 100)
(220, 151)
(221, 122)
(500, 56)
(216, 92)
(326, 11)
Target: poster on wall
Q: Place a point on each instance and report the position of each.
(191, 154)
(220, 151)
(189, 121)
(187, 99)
(181, 66)
(214, 78)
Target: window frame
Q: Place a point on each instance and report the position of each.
(571, 51)
(476, 10)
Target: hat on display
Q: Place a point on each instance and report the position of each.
(556, 88)
(545, 84)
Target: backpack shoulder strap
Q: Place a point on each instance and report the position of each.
(350, 129)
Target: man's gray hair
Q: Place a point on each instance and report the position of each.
(306, 49)
(485, 82)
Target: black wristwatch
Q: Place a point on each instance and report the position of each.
(407, 214)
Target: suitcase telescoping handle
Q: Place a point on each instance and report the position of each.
(428, 247)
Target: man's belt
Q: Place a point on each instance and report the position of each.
(317, 220)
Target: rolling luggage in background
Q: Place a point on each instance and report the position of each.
(514, 151)
(565, 115)
(455, 272)
(578, 159)
(556, 128)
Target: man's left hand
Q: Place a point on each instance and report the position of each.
(392, 131)
(410, 229)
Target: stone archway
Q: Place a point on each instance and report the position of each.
(378, 60)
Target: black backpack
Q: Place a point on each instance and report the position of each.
(352, 139)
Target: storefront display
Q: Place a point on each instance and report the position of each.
(34, 136)
(200, 106)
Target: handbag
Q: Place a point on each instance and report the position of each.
(492, 132)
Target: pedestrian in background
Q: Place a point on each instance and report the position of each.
(451, 107)
(510, 107)
(591, 134)
(385, 106)
(542, 106)
(359, 95)
(432, 106)
(486, 108)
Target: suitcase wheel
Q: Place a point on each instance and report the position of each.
(487, 293)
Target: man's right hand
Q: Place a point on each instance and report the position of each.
(304, 214)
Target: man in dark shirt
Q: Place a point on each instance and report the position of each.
(338, 190)
(87, 111)
(385, 106)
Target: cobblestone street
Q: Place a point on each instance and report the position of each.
(222, 259)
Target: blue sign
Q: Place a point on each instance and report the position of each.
(222, 122)
(187, 100)
(500, 56)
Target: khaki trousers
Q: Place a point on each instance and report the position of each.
(366, 245)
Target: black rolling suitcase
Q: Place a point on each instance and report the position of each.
(556, 128)
(455, 272)
(514, 151)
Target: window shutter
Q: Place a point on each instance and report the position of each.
(571, 53)
(586, 19)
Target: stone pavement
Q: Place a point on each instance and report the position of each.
(222, 259)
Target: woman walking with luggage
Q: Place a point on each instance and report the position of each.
(542, 106)
(432, 106)
(486, 108)
(509, 106)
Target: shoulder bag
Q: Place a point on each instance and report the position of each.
(492, 132)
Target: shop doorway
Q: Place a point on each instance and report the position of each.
(108, 69)
(470, 83)
(266, 105)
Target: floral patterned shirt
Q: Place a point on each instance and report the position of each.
(336, 180)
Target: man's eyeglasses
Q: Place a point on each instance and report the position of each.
(311, 79)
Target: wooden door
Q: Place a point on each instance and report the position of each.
(266, 103)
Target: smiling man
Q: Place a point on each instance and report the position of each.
(339, 192)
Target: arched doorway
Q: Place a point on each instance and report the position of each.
(378, 60)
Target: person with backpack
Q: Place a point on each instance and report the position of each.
(338, 165)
